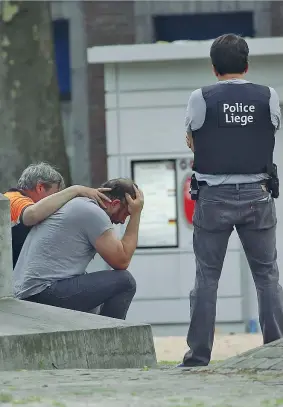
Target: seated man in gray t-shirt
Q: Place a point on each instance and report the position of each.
(52, 263)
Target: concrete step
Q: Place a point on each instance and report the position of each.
(35, 336)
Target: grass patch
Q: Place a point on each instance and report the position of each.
(272, 403)
(92, 391)
(6, 398)
(189, 404)
(58, 404)
(31, 399)
(167, 363)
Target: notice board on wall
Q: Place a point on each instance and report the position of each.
(159, 223)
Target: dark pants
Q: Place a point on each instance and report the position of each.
(113, 289)
(251, 210)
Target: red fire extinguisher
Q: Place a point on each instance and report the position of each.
(189, 204)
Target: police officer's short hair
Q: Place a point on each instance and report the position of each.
(229, 54)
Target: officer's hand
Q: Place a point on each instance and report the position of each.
(135, 205)
(190, 143)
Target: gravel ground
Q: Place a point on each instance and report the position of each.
(225, 346)
(138, 388)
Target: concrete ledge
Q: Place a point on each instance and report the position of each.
(184, 50)
(35, 336)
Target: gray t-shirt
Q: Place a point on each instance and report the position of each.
(59, 247)
(195, 117)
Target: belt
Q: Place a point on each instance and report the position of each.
(262, 182)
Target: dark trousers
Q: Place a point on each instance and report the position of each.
(113, 289)
(251, 210)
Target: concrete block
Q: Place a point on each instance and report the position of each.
(36, 336)
(48, 350)
(6, 265)
(121, 343)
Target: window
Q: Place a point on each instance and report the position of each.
(203, 26)
(62, 57)
(159, 219)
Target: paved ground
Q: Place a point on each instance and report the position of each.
(165, 386)
(225, 346)
(138, 388)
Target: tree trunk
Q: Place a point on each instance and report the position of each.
(30, 118)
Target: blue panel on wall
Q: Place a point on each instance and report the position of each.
(62, 56)
(203, 26)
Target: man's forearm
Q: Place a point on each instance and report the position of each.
(190, 142)
(130, 238)
(49, 205)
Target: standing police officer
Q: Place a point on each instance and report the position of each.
(231, 129)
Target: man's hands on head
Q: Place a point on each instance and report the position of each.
(118, 253)
(135, 205)
(93, 193)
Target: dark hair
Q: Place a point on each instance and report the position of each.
(119, 188)
(229, 54)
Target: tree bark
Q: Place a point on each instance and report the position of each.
(30, 117)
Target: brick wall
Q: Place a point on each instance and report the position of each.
(106, 23)
(276, 18)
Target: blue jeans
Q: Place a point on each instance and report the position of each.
(112, 289)
(249, 209)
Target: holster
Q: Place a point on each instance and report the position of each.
(272, 183)
(194, 188)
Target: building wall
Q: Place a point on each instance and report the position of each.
(122, 22)
(145, 10)
(151, 98)
(107, 22)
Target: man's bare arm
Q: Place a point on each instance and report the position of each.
(190, 141)
(42, 209)
(118, 253)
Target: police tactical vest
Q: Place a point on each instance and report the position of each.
(237, 136)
